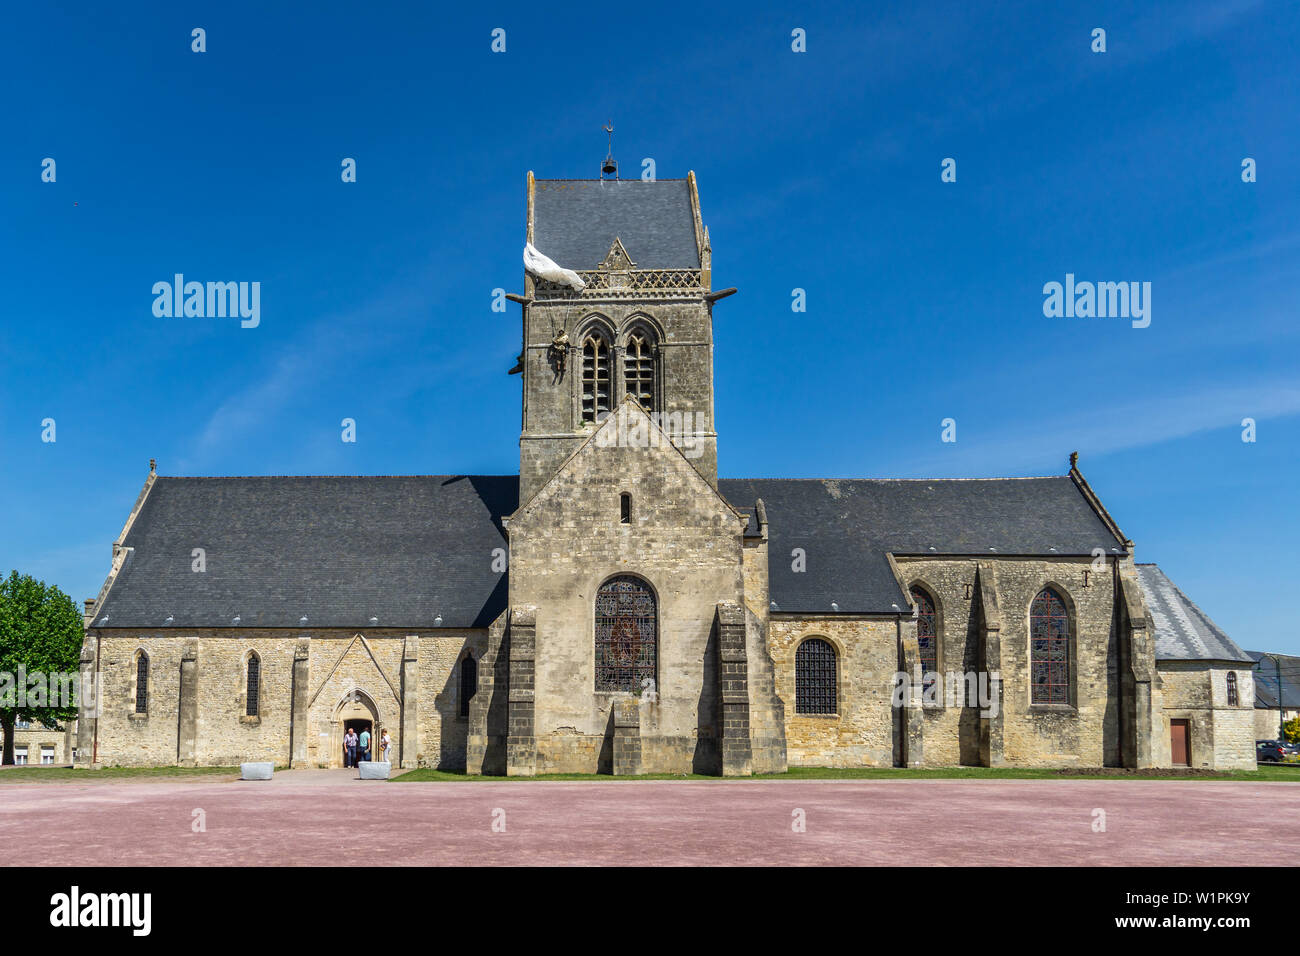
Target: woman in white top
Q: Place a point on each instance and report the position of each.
(384, 745)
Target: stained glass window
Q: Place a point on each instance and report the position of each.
(926, 636)
(595, 377)
(626, 634)
(639, 370)
(1049, 649)
(254, 685)
(142, 683)
(814, 677)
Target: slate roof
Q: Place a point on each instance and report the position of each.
(406, 550)
(846, 527)
(338, 550)
(1266, 680)
(1183, 631)
(575, 222)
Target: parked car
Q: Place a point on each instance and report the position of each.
(1292, 750)
(1269, 751)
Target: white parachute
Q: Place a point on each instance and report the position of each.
(544, 268)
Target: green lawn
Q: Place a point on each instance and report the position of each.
(1289, 773)
(29, 773)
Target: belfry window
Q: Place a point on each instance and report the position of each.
(626, 634)
(1232, 689)
(927, 638)
(814, 677)
(1049, 649)
(625, 509)
(595, 377)
(639, 370)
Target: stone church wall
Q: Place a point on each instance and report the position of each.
(685, 542)
(766, 709)
(861, 733)
(1085, 733)
(125, 738)
(485, 747)
(1221, 737)
(689, 549)
(341, 665)
(221, 734)
(225, 736)
(950, 730)
(443, 731)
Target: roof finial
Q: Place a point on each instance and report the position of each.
(610, 166)
(153, 466)
(1074, 460)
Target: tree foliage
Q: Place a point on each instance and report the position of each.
(1292, 730)
(41, 633)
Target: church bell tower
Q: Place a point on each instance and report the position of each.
(617, 302)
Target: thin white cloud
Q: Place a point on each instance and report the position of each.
(1137, 423)
(324, 348)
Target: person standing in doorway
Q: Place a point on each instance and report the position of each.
(350, 748)
(385, 746)
(365, 743)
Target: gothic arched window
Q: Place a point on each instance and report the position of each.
(468, 683)
(639, 370)
(252, 685)
(1049, 649)
(927, 637)
(142, 683)
(1232, 689)
(814, 677)
(626, 634)
(595, 377)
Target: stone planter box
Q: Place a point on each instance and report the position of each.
(256, 771)
(375, 769)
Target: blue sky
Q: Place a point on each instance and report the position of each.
(817, 170)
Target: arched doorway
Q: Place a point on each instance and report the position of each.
(357, 711)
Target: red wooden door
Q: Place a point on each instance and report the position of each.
(1180, 743)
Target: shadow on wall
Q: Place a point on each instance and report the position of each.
(1119, 712)
(496, 723)
(453, 729)
(605, 759)
(707, 758)
(969, 722)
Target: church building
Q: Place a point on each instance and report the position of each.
(617, 607)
